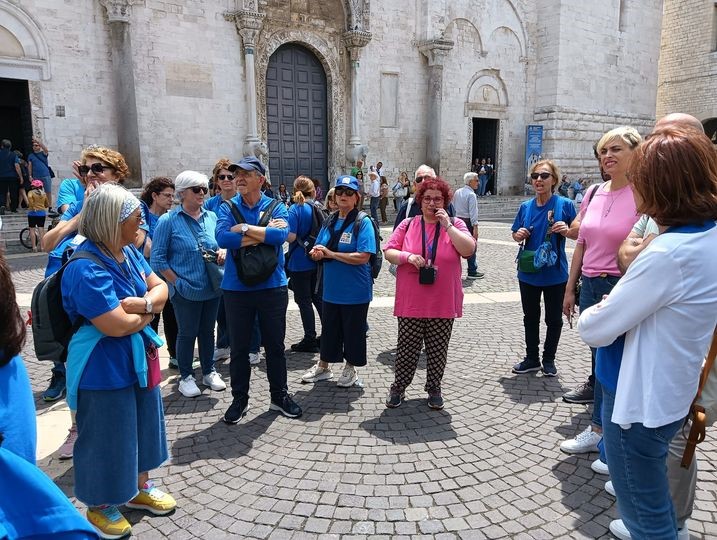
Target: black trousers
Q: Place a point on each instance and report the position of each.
(306, 297)
(11, 184)
(170, 328)
(530, 298)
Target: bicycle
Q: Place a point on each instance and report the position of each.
(26, 239)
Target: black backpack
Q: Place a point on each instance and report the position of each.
(254, 264)
(52, 328)
(376, 259)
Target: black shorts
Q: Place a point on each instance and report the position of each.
(36, 221)
(343, 333)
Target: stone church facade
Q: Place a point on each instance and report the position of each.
(311, 85)
(688, 62)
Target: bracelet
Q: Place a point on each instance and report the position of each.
(403, 257)
(449, 226)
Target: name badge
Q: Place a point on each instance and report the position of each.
(345, 238)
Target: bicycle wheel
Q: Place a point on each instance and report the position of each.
(25, 239)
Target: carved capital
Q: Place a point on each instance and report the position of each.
(436, 50)
(249, 25)
(119, 10)
(355, 40)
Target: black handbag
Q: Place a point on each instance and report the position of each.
(255, 264)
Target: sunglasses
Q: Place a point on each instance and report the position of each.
(420, 179)
(199, 189)
(226, 177)
(344, 191)
(542, 175)
(96, 168)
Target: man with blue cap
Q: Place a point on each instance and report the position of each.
(240, 228)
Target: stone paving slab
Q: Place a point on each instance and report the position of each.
(487, 466)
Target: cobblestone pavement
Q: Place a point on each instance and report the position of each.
(487, 466)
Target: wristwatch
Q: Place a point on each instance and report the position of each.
(244, 228)
(147, 305)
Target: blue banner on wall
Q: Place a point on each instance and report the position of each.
(533, 145)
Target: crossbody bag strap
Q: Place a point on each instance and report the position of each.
(191, 230)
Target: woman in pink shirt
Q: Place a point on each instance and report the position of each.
(429, 294)
(607, 215)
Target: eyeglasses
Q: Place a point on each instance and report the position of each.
(542, 175)
(226, 177)
(344, 191)
(420, 179)
(96, 168)
(199, 189)
(436, 200)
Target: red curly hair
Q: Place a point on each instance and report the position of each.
(438, 184)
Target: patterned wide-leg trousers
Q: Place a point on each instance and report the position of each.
(412, 334)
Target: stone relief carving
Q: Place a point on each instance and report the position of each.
(269, 41)
(358, 14)
(119, 10)
(36, 109)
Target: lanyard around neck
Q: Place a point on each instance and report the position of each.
(434, 248)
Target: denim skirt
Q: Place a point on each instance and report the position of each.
(120, 433)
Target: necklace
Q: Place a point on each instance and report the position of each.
(613, 198)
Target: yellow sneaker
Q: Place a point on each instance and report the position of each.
(153, 499)
(108, 522)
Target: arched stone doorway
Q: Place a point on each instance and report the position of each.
(296, 116)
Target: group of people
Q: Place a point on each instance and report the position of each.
(485, 170)
(19, 176)
(219, 262)
(648, 227)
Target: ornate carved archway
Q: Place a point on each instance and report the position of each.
(34, 64)
(328, 55)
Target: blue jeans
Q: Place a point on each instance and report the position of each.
(638, 470)
(374, 207)
(195, 321)
(243, 308)
(222, 336)
(591, 293)
(483, 183)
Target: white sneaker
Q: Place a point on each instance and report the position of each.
(586, 441)
(254, 358)
(348, 376)
(188, 387)
(317, 373)
(599, 467)
(618, 529)
(222, 354)
(214, 381)
(609, 488)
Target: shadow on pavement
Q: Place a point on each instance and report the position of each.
(530, 388)
(412, 422)
(583, 493)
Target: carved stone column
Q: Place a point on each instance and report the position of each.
(355, 40)
(435, 51)
(249, 23)
(118, 17)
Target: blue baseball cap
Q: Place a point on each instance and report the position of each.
(249, 163)
(347, 181)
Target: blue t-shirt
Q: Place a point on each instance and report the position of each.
(532, 215)
(607, 363)
(8, 159)
(88, 290)
(17, 411)
(349, 283)
(232, 241)
(213, 203)
(71, 190)
(300, 220)
(40, 168)
(32, 506)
